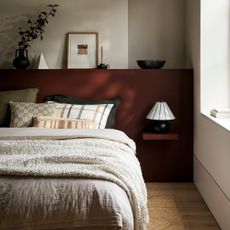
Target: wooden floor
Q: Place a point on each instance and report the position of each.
(178, 206)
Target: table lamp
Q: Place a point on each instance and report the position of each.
(160, 114)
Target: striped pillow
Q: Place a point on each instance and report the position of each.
(62, 123)
(97, 113)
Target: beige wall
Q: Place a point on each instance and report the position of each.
(211, 141)
(157, 31)
(108, 17)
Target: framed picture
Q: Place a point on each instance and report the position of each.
(82, 50)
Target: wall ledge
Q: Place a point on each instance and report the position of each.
(222, 122)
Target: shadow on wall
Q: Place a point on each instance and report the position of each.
(9, 25)
(99, 85)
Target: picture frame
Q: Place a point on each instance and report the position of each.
(82, 50)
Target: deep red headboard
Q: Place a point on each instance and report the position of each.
(138, 89)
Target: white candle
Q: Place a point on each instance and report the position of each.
(101, 54)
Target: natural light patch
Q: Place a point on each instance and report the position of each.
(215, 55)
(215, 59)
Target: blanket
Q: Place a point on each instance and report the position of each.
(107, 155)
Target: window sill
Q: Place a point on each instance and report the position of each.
(223, 122)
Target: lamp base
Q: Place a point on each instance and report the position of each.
(159, 126)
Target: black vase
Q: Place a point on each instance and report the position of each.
(21, 60)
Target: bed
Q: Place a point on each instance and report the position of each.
(70, 179)
(64, 166)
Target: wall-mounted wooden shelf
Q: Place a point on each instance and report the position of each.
(155, 136)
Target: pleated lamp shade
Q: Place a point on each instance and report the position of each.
(160, 112)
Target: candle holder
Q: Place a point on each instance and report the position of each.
(103, 66)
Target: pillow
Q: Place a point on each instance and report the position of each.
(71, 100)
(62, 123)
(23, 95)
(96, 113)
(22, 113)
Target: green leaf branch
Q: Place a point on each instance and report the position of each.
(36, 28)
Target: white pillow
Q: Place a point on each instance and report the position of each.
(97, 113)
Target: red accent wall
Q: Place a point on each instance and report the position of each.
(139, 90)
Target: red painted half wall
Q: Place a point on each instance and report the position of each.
(161, 160)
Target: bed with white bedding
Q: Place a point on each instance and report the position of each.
(70, 179)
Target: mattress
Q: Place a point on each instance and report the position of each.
(53, 202)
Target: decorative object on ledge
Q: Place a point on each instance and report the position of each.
(42, 62)
(82, 50)
(151, 64)
(21, 60)
(220, 113)
(160, 114)
(102, 65)
(34, 31)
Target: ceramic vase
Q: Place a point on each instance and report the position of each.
(21, 60)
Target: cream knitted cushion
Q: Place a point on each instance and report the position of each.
(22, 113)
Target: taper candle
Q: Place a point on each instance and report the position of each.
(101, 54)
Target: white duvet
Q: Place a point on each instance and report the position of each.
(100, 154)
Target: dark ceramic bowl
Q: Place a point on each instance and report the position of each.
(151, 64)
